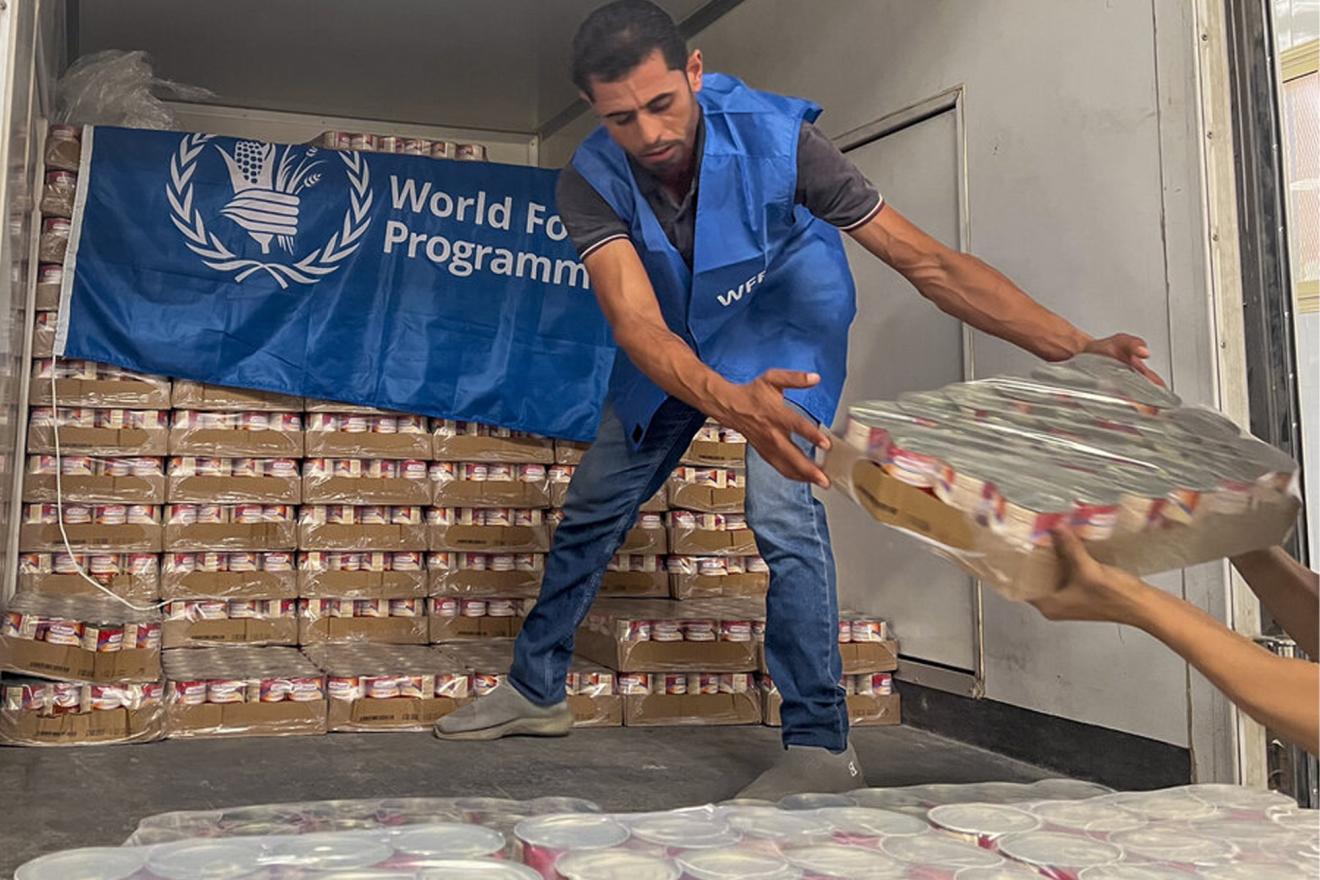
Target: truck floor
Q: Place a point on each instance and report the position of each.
(62, 798)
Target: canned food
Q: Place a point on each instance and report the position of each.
(473, 608)
(344, 687)
(415, 147)
(101, 638)
(735, 630)
(411, 424)
(734, 682)
(226, 691)
(675, 683)
(638, 631)
(363, 142)
(371, 608)
(699, 630)
(445, 606)
(865, 631)
(500, 562)
(443, 149)
(380, 687)
(453, 685)
(500, 608)
(406, 516)
(247, 467)
(531, 473)
(528, 562)
(60, 631)
(210, 609)
(340, 514)
(306, 689)
(499, 472)
(471, 153)
(406, 560)
(406, 607)
(214, 514)
(244, 609)
(483, 683)
(527, 517)
(635, 683)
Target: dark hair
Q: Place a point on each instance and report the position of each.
(619, 36)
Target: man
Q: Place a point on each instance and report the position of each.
(708, 220)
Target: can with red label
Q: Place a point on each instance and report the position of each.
(340, 514)
(443, 149)
(635, 683)
(371, 608)
(282, 468)
(247, 467)
(384, 425)
(406, 516)
(416, 147)
(406, 560)
(322, 422)
(405, 607)
(61, 631)
(472, 608)
(675, 683)
(445, 606)
(103, 638)
(380, 687)
(214, 514)
(734, 682)
(226, 690)
(67, 697)
(373, 515)
(276, 560)
(866, 631)
(471, 152)
(306, 689)
(241, 560)
(189, 693)
(388, 143)
(344, 687)
(277, 513)
(244, 609)
(845, 631)
(363, 142)
(76, 465)
(703, 683)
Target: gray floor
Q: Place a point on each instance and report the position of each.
(61, 798)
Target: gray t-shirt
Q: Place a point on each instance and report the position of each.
(829, 185)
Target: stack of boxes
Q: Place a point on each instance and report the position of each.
(361, 529)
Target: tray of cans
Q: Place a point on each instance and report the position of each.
(647, 537)
(117, 433)
(189, 395)
(229, 574)
(474, 442)
(362, 574)
(485, 574)
(709, 534)
(570, 451)
(865, 641)
(1147, 483)
(393, 620)
(91, 479)
(202, 479)
(361, 527)
(488, 529)
(674, 699)
(213, 526)
(870, 696)
(635, 574)
(707, 489)
(40, 712)
(390, 687)
(489, 484)
(716, 446)
(88, 638)
(50, 278)
(133, 576)
(90, 528)
(366, 481)
(457, 619)
(89, 384)
(242, 690)
(402, 145)
(368, 435)
(241, 621)
(43, 333)
(708, 577)
(659, 635)
(237, 435)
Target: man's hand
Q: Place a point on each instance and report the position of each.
(1087, 589)
(759, 412)
(1126, 349)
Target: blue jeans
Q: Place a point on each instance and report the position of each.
(802, 612)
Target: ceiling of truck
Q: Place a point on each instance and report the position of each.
(493, 64)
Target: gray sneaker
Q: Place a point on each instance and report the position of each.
(505, 712)
(807, 768)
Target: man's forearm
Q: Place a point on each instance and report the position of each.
(668, 361)
(975, 292)
(1281, 693)
(1288, 590)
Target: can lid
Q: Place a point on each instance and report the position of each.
(1094, 815)
(91, 863)
(696, 829)
(615, 865)
(983, 819)
(1057, 850)
(736, 864)
(940, 849)
(834, 860)
(569, 831)
(189, 859)
(869, 821)
(1175, 845)
(771, 822)
(478, 869)
(451, 840)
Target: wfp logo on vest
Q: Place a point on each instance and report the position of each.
(273, 191)
(727, 299)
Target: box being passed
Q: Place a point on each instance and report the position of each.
(985, 471)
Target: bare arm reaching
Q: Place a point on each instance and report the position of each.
(756, 409)
(1289, 590)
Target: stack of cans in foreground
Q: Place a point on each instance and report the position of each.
(937, 833)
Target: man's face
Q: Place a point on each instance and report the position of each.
(652, 113)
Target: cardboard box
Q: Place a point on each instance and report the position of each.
(366, 490)
(90, 537)
(569, 451)
(706, 499)
(670, 710)
(198, 395)
(48, 297)
(713, 453)
(496, 584)
(635, 584)
(452, 629)
(69, 662)
(701, 586)
(95, 489)
(332, 536)
(492, 493)
(1025, 576)
(665, 656)
(342, 444)
(513, 450)
(362, 584)
(110, 442)
(494, 539)
(233, 490)
(229, 585)
(863, 711)
(254, 631)
(135, 588)
(231, 536)
(285, 718)
(400, 713)
(645, 542)
(134, 393)
(603, 711)
(101, 727)
(684, 541)
(233, 443)
(858, 657)
(657, 503)
(386, 630)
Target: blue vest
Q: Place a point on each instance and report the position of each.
(769, 284)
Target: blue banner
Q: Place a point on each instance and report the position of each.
(425, 285)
